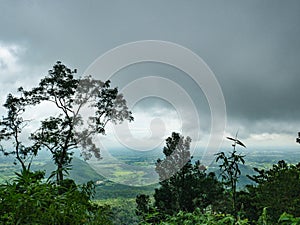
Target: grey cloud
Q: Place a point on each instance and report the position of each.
(253, 47)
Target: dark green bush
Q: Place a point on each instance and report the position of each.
(29, 200)
(277, 190)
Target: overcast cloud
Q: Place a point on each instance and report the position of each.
(253, 48)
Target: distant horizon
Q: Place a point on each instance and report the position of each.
(249, 52)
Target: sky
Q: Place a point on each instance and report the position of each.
(252, 49)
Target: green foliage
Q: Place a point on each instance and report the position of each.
(288, 219)
(187, 189)
(263, 219)
(230, 170)
(122, 210)
(143, 205)
(29, 200)
(278, 189)
(198, 218)
(184, 186)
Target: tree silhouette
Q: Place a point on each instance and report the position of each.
(62, 133)
(230, 171)
(12, 126)
(184, 185)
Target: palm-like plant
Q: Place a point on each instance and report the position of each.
(230, 171)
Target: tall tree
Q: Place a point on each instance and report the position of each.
(62, 133)
(184, 185)
(11, 127)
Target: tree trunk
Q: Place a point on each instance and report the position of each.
(59, 175)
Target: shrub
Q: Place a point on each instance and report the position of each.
(29, 200)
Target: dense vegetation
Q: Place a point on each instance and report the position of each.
(29, 200)
(187, 192)
(183, 185)
(190, 196)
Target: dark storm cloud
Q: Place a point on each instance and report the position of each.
(253, 47)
